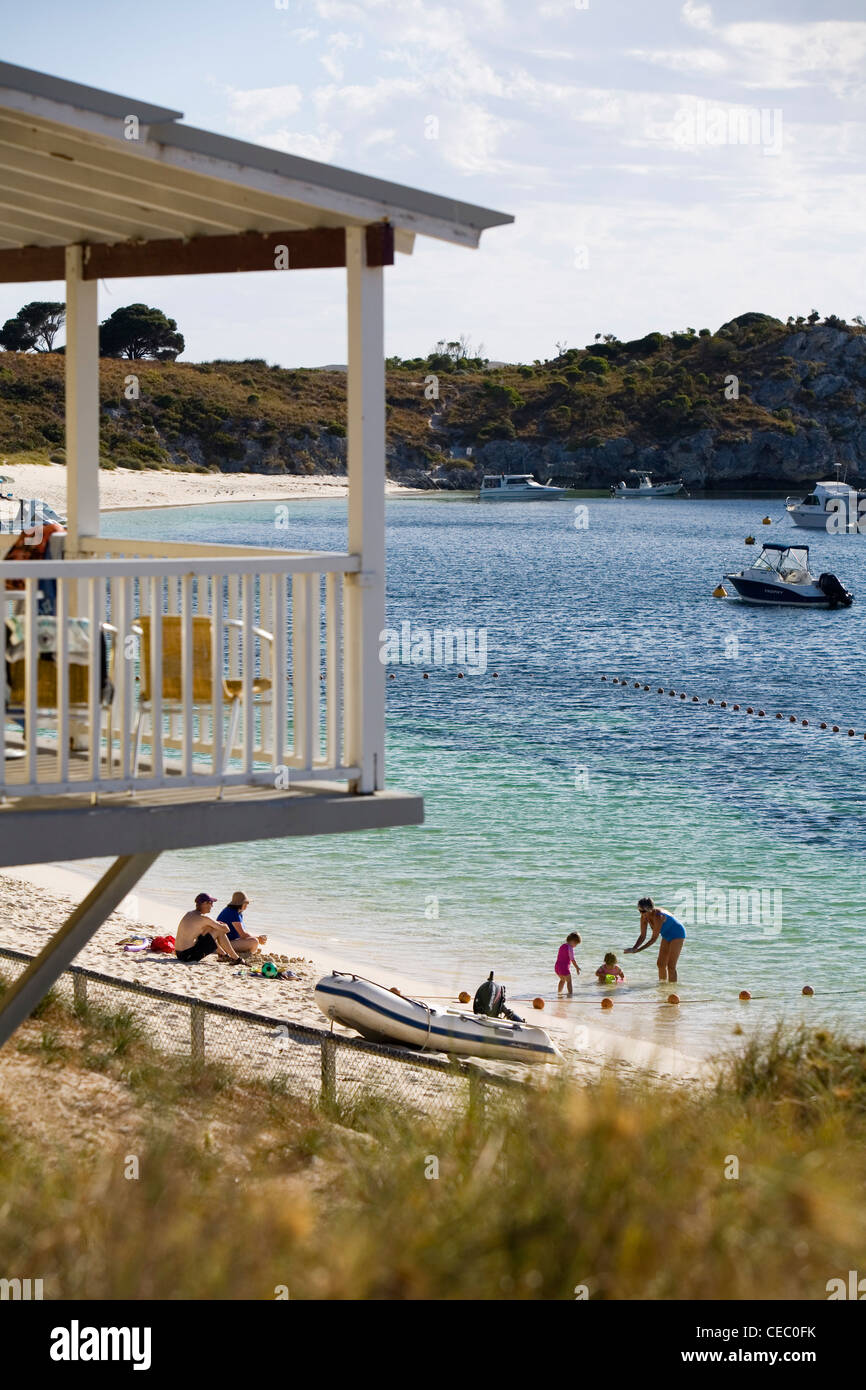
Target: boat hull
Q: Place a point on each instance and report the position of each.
(539, 494)
(779, 595)
(381, 1016)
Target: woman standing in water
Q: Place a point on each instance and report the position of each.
(672, 933)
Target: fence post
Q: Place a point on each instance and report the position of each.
(329, 1072)
(79, 991)
(477, 1094)
(196, 1032)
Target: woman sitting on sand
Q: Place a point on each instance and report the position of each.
(672, 933)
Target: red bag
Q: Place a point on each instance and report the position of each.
(163, 945)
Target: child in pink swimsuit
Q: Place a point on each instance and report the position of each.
(565, 960)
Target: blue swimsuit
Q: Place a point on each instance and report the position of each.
(672, 930)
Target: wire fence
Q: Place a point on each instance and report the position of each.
(313, 1063)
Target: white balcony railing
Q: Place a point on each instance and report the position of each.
(150, 665)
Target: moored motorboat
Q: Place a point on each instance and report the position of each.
(645, 487)
(781, 575)
(380, 1015)
(830, 506)
(517, 487)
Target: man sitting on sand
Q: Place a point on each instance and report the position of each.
(232, 916)
(198, 935)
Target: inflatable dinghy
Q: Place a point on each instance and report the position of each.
(382, 1016)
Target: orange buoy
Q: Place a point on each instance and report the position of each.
(496, 676)
(607, 1003)
(637, 685)
(395, 990)
(835, 728)
(661, 690)
(463, 997)
(646, 687)
(711, 702)
(807, 989)
(736, 706)
(760, 714)
(750, 710)
(672, 692)
(792, 718)
(682, 697)
(538, 1003)
(805, 724)
(426, 675)
(723, 704)
(781, 716)
(850, 733)
(750, 540)
(673, 998)
(460, 675)
(823, 726)
(744, 994)
(695, 700)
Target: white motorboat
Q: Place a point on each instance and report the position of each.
(517, 487)
(382, 1016)
(831, 506)
(781, 575)
(645, 487)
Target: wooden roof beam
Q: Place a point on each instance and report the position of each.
(318, 248)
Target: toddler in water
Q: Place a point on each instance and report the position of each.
(609, 969)
(565, 960)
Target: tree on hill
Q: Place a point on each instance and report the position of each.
(34, 327)
(138, 331)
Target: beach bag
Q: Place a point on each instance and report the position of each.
(163, 945)
(489, 998)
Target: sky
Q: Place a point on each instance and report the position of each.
(669, 164)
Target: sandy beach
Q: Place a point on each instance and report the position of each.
(35, 899)
(124, 489)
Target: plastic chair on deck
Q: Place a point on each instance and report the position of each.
(202, 636)
(78, 671)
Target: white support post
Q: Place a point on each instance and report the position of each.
(82, 403)
(365, 591)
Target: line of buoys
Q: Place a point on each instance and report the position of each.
(725, 704)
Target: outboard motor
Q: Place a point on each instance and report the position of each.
(835, 590)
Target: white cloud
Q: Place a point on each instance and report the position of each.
(253, 110)
(682, 60)
(321, 144)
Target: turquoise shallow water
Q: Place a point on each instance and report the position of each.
(553, 799)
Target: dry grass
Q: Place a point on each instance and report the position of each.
(242, 1189)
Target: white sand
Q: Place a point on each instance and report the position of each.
(126, 488)
(35, 899)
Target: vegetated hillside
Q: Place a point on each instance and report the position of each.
(757, 403)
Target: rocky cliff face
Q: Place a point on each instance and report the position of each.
(806, 392)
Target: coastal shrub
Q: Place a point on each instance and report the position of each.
(594, 365)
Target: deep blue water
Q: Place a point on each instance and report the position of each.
(555, 799)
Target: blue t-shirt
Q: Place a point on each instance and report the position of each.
(233, 918)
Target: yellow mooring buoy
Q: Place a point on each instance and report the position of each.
(768, 521)
(750, 540)
(720, 591)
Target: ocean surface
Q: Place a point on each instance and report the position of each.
(555, 799)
